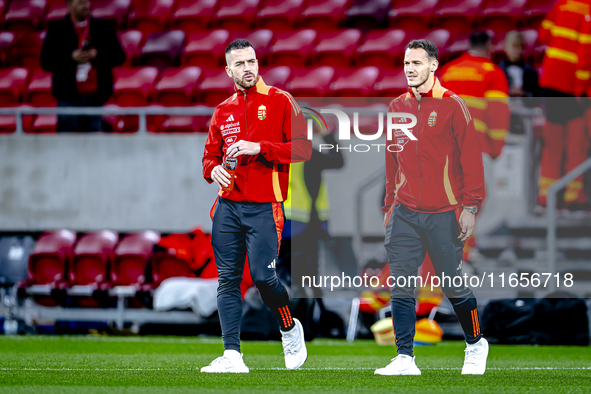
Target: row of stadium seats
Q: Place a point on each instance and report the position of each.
(344, 47)
(64, 265)
(155, 15)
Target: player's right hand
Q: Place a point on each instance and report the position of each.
(220, 176)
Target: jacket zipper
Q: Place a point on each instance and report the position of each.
(418, 155)
(246, 126)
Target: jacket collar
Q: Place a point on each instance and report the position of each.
(260, 87)
(436, 91)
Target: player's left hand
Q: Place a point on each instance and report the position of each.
(243, 148)
(466, 224)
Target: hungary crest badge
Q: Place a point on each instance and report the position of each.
(432, 118)
(262, 112)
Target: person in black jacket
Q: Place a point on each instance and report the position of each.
(80, 52)
(522, 77)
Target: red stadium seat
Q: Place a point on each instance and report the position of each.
(6, 43)
(459, 44)
(279, 14)
(53, 252)
(382, 48)
(276, 76)
(177, 86)
(56, 9)
(150, 15)
(392, 83)
(192, 15)
(292, 47)
(12, 85)
(39, 90)
(42, 124)
(336, 48)
(48, 263)
(8, 122)
(181, 123)
(133, 86)
(163, 49)
(92, 258)
(112, 10)
(235, 14)
(131, 258)
(131, 41)
(260, 40)
(367, 14)
(310, 82)
(206, 48)
(440, 37)
(323, 14)
(412, 14)
(355, 83)
(457, 15)
(501, 15)
(536, 11)
(531, 50)
(215, 87)
(27, 49)
(24, 15)
(125, 123)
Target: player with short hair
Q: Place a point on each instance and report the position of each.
(434, 187)
(262, 127)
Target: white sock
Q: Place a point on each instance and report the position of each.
(232, 354)
(477, 344)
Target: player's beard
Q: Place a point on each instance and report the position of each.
(422, 80)
(243, 83)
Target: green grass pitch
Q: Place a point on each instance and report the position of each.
(146, 365)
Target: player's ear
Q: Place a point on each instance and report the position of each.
(229, 71)
(434, 65)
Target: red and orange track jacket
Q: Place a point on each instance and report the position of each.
(266, 115)
(563, 31)
(443, 168)
(484, 87)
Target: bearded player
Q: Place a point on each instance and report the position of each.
(263, 128)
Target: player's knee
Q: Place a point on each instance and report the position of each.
(228, 282)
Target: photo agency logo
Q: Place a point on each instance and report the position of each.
(399, 129)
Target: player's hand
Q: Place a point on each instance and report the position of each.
(466, 224)
(91, 53)
(80, 56)
(220, 176)
(243, 148)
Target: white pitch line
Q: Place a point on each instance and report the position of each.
(301, 369)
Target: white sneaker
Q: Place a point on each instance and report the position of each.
(294, 346)
(400, 365)
(475, 360)
(231, 362)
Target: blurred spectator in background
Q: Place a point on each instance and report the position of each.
(522, 76)
(484, 87)
(565, 143)
(80, 52)
(307, 213)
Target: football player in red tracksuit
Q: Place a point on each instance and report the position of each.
(434, 187)
(263, 128)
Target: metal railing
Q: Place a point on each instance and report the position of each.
(142, 112)
(552, 200)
